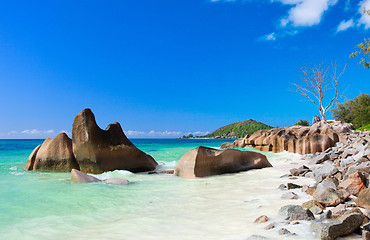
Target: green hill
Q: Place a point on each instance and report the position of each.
(238, 129)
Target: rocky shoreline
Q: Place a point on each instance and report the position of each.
(340, 203)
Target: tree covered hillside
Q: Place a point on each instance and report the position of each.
(240, 129)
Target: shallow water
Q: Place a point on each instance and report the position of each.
(44, 205)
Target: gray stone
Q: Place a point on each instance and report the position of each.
(331, 229)
(282, 187)
(314, 206)
(283, 231)
(326, 215)
(302, 215)
(289, 195)
(347, 161)
(339, 144)
(119, 181)
(330, 197)
(322, 171)
(270, 226)
(81, 177)
(320, 158)
(287, 210)
(309, 175)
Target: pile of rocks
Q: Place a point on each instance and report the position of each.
(340, 202)
(341, 193)
(297, 139)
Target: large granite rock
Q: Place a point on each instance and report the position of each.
(53, 155)
(327, 194)
(354, 184)
(297, 139)
(31, 159)
(363, 199)
(342, 226)
(203, 162)
(98, 150)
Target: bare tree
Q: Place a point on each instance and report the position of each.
(316, 81)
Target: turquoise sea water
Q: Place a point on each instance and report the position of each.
(46, 205)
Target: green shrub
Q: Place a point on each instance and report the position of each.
(356, 111)
(302, 123)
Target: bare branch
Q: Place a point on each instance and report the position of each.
(316, 81)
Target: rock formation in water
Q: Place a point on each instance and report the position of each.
(53, 155)
(91, 150)
(80, 177)
(297, 139)
(98, 150)
(203, 162)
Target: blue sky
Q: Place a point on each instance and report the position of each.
(165, 68)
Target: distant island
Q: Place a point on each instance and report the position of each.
(234, 130)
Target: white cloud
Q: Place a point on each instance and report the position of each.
(29, 133)
(344, 25)
(161, 134)
(270, 37)
(365, 18)
(36, 132)
(305, 13)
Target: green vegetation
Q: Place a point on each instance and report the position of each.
(364, 48)
(356, 111)
(240, 129)
(188, 136)
(302, 123)
(365, 127)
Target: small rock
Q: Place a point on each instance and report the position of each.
(338, 210)
(333, 156)
(270, 226)
(119, 181)
(282, 187)
(309, 190)
(345, 162)
(338, 176)
(293, 186)
(283, 231)
(287, 210)
(302, 215)
(261, 219)
(78, 176)
(295, 223)
(309, 175)
(320, 158)
(293, 178)
(326, 215)
(289, 195)
(314, 206)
